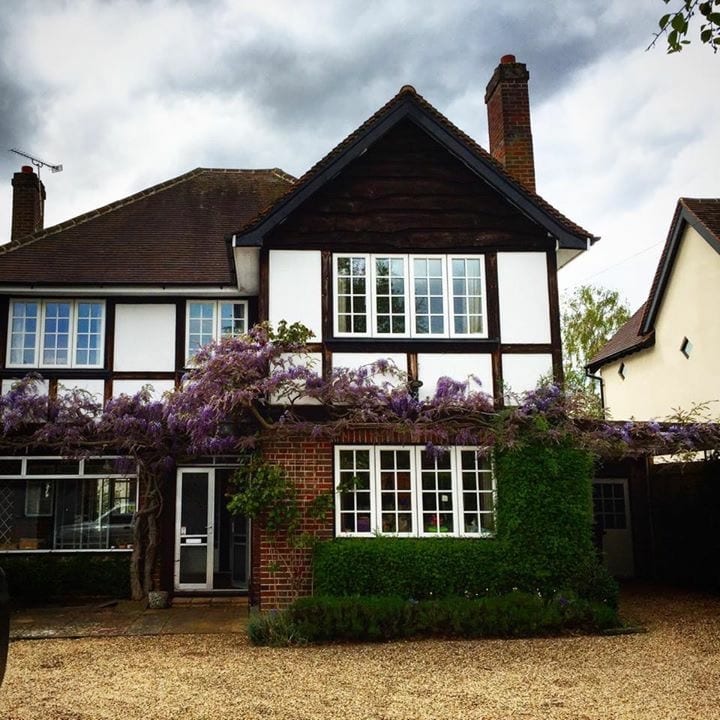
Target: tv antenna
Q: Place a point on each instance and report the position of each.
(37, 162)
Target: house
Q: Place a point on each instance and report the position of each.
(669, 343)
(407, 241)
(663, 360)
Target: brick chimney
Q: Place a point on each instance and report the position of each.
(28, 203)
(508, 109)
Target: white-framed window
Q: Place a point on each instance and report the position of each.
(209, 320)
(56, 333)
(411, 296)
(53, 503)
(407, 491)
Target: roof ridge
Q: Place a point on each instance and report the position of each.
(129, 199)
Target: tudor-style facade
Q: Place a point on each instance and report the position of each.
(407, 241)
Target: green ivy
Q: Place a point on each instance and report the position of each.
(543, 542)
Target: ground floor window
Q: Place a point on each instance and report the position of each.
(58, 504)
(409, 491)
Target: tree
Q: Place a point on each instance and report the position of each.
(674, 25)
(590, 316)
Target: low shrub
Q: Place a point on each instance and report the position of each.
(273, 628)
(372, 619)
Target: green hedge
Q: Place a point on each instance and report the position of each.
(360, 619)
(46, 577)
(543, 542)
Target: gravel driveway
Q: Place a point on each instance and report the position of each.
(673, 671)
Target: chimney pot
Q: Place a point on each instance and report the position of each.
(27, 169)
(508, 109)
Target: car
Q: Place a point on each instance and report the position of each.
(112, 529)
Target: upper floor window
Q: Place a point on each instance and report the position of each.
(209, 320)
(409, 295)
(56, 333)
(411, 492)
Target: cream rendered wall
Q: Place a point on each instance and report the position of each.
(43, 386)
(354, 361)
(295, 288)
(95, 387)
(433, 366)
(523, 372)
(661, 379)
(524, 297)
(144, 337)
(130, 387)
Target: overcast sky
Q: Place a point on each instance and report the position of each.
(127, 94)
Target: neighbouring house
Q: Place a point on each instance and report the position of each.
(663, 360)
(407, 241)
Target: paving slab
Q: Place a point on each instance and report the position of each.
(127, 618)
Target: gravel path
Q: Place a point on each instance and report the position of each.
(673, 671)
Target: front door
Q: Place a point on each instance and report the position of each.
(211, 545)
(612, 514)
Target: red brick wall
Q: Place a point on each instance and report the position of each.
(280, 574)
(28, 203)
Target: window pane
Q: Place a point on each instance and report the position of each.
(478, 496)
(429, 296)
(395, 501)
(233, 319)
(201, 324)
(437, 499)
(38, 497)
(94, 513)
(467, 284)
(88, 333)
(390, 295)
(354, 488)
(23, 336)
(351, 299)
(56, 334)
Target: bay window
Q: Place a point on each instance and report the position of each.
(209, 320)
(56, 333)
(408, 491)
(414, 296)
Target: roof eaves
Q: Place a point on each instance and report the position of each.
(642, 343)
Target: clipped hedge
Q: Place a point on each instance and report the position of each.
(543, 542)
(46, 577)
(375, 619)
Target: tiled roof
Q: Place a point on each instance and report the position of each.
(408, 94)
(171, 234)
(638, 332)
(625, 341)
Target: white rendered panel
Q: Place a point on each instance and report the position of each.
(524, 297)
(522, 373)
(43, 386)
(95, 387)
(295, 288)
(247, 269)
(354, 361)
(312, 361)
(144, 337)
(130, 387)
(433, 366)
